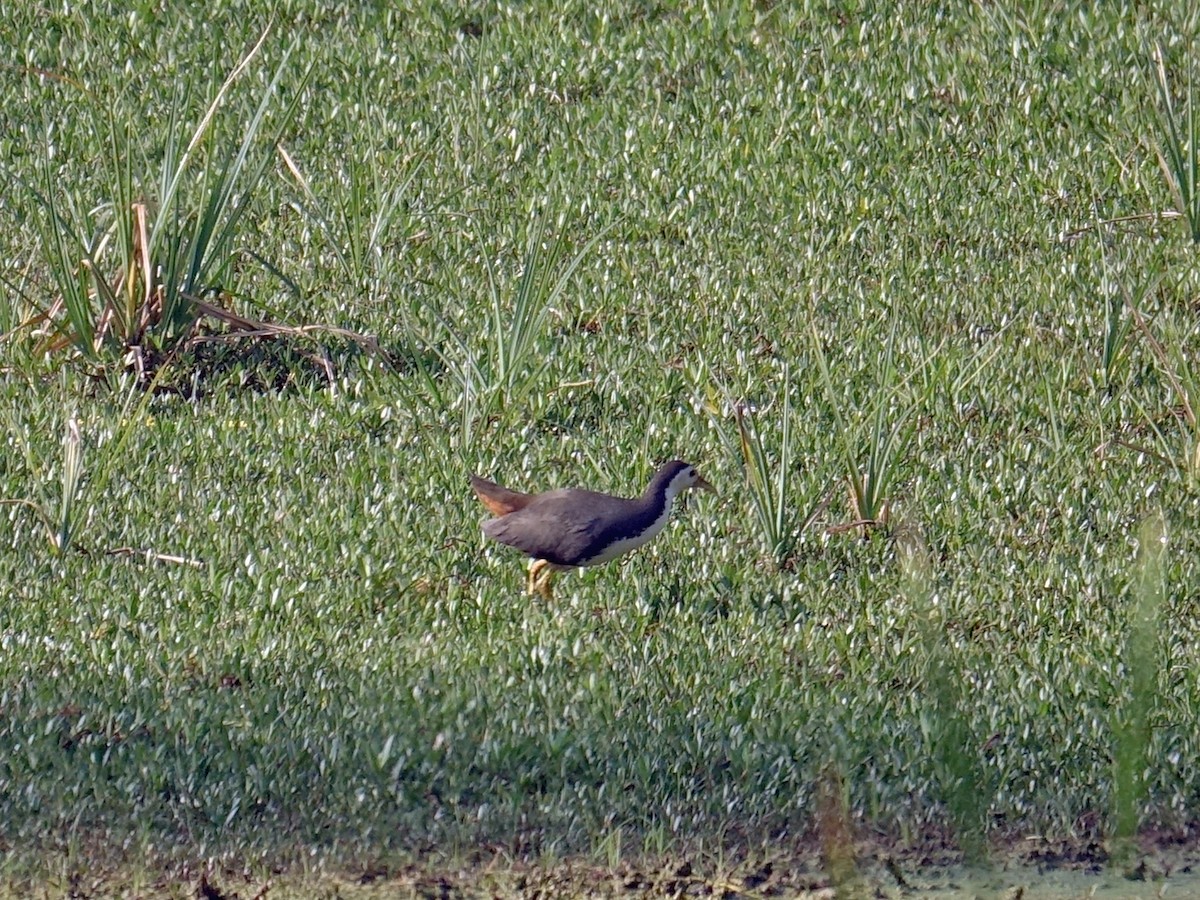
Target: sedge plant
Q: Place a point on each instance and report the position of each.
(768, 486)
(59, 514)
(1170, 354)
(507, 369)
(1117, 323)
(359, 223)
(59, 520)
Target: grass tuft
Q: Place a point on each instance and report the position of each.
(1171, 356)
(770, 483)
(130, 270)
(769, 490)
(884, 438)
(60, 527)
(502, 376)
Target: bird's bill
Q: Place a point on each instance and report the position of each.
(704, 485)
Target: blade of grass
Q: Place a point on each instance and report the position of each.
(769, 494)
(771, 486)
(1141, 660)
(514, 334)
(212, 240)
(59, 528)
(58, 235)
(71, 473)
(1171, 360)
(502, 375)
(116, 279)
(173, 170)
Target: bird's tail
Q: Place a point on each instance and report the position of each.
(500, 501)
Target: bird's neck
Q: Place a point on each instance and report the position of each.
(659, 495)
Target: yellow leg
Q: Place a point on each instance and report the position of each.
(535, 568)
(540, 576)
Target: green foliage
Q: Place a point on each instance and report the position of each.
(945, 720)
(770, 482)
(769, 494)
(347, 672)
(361, 217)
(1169, 347)
(1122, 307)
(503, 374)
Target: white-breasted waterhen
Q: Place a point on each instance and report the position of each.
(571, 528)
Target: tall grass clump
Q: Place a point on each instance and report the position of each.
(770, 476)
(1133, 716)
(1179, 144)
(131, 269)
(61, 509)
(1121, 305)
(769, 486)
(359, 222)
(1170, 355)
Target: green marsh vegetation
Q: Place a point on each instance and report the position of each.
(923, 258)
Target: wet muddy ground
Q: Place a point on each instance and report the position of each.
(1024, 869)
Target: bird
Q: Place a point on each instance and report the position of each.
(572, 528)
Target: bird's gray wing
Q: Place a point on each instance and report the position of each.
(560, 527)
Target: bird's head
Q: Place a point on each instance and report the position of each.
(677, 476)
